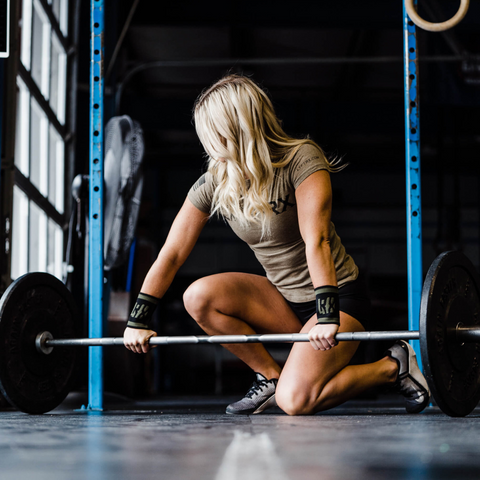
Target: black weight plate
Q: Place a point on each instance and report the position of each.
(31, 381)
(451, 296)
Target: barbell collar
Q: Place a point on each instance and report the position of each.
(44, 341)
(41, 343)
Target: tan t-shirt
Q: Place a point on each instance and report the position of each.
(282, 253)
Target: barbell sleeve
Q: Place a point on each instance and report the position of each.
(467, 334)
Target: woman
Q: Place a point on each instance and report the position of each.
(275, 193)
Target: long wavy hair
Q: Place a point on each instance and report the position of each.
(245, 143)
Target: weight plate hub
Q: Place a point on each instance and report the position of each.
(451, 297)
(31, 381)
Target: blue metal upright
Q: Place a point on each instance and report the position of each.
(412, 166)
(96, 274)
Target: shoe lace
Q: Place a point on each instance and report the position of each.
(256, 387)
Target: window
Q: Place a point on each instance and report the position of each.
(39, 197)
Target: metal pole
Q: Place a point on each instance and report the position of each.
(224, 339)
(466, 334)
(95, 237)
(412, 168)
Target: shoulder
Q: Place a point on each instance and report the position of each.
(308, 159)
(199, 183)
(201, 192)
(306, 155)
(204, 182)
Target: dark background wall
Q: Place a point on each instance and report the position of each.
(353, 110)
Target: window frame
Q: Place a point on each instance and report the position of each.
(12, 177)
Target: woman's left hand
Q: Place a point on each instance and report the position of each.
(322, 337)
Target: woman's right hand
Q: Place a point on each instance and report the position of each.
(136, 339)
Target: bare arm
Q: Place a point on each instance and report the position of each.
(314, 203)
(180, 241)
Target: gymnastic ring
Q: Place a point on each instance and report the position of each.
(436, 27)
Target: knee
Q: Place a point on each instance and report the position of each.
(198, 299)
(295, 401)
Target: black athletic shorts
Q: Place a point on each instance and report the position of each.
(354, 300)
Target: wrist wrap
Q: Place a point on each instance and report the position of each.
(142, 312)
(327, 305)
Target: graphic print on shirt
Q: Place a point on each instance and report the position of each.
(281, 203)
(199, 183)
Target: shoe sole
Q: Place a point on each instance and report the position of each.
(417, 377)
(270, 402)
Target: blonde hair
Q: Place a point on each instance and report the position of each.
(236, 122)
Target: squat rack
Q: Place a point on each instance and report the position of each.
(96, 130)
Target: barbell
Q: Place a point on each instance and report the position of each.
(39, 322)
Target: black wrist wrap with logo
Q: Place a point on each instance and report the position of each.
(327, 305)
(142, 313)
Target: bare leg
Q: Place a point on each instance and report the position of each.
(318, 380)
(239, 303)
(242, 304)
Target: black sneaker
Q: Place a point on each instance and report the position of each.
(260, 397)
(410, 381)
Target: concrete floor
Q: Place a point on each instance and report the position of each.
(194, 440)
